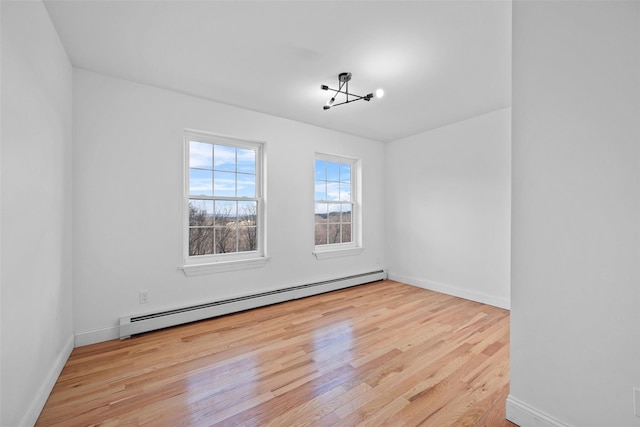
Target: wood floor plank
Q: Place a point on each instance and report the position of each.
(384, 353)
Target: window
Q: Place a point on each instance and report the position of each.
(335, 204)
(223, 198)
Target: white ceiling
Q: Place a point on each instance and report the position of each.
(438, 61)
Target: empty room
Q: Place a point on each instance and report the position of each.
(320, 213)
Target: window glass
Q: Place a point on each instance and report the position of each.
(223, 196)
(334, 201)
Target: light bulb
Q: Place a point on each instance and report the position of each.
(379, 93)
(331, 101)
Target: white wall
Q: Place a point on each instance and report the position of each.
(448, 209)
(575, 307)
(128, 174)
(0, 214)
(37, 334)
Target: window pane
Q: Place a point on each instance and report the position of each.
(321, 190)
(200, 182)
(224, 184)
(246, 161)
(200, 155)
(345, 172)
(321, 234)
(321, 170)
(346, 213)
(333, 191)
(224, 158)
(246, 185)
(200, 212)
(346, 233)
(226, 239)
(247, 213)
(321, 213)
(334, 234)
(226, 213)
(345, 192)
(247, 239)
(333, 171)
(200, 241)
(333, 213)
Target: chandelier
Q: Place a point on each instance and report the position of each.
(343, 88)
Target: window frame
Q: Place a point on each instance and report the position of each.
(333, 250)
(212, 263)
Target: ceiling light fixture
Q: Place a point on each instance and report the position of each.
(343, 82)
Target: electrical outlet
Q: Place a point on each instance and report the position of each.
(636, 401)
(144, 297)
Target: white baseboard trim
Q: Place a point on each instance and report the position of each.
(302, 290)
(453, 290)
(97, 335)
(140, 323)
(39, 400)
(524, 415)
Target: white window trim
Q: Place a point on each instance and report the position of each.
(218, 263)
(222, 266)
(337, 252)
(354, 247)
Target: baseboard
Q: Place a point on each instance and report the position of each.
(96, 336)
(527, 416)
(453, 290)
(39, 400)
(111, 333)
(141, 323)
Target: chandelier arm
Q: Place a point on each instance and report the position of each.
(341, 86)
(337, 91)
(350, 101)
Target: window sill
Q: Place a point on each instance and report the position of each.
(222, 266)
(337, 253)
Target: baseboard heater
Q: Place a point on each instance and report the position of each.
(132, 325)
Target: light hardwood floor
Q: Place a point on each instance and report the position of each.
(384, 353)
